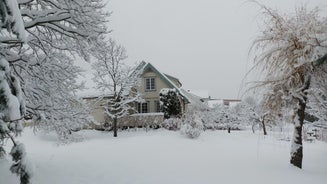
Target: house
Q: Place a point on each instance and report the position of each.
(151, 81)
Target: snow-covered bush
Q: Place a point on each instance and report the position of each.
(222, 118)
(192, 125)
(170, 103)
(192, 129)
(144, 120)
(172, 124)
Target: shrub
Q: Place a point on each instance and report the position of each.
(192, 126)
(172, 124)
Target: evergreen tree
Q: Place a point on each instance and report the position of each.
(170, 103)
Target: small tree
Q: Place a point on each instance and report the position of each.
(170, 103)
(192, 125)
(116, 80)
(252, 111)
(288, 49)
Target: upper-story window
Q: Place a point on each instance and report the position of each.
(150, 84)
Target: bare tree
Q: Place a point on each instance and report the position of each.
(287, 51)
(116, 80)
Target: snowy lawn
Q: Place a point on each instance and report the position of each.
(165, 157)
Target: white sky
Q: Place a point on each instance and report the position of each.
(204, 43)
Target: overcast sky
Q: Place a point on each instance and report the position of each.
(204, 43)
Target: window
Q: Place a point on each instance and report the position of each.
(157, 106)
(150, 84)
(143, 107)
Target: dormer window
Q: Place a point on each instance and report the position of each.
(150, 84)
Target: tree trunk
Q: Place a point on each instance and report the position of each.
(297, 146)
(115, 127)
(264, 126)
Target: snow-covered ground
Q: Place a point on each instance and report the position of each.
(166, 157)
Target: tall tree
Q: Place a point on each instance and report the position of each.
(116, 80)
(52, 32)
(288, 48)
(57, 31)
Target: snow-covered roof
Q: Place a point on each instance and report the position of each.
(204, 94)
(173, 78)
(193, 99)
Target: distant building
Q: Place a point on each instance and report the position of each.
(204, 97)
(212, 103)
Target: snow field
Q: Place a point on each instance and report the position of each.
(162, 157)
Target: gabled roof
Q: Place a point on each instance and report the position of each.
(144, 66)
